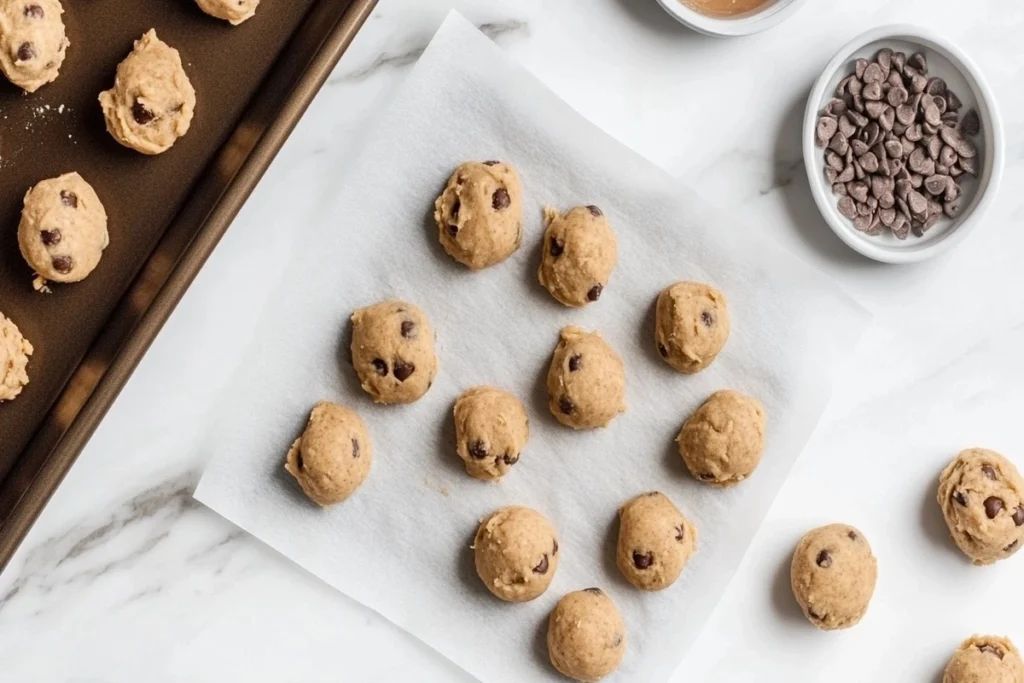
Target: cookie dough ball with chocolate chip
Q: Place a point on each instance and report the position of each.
(63, 229)
(579, 254)
(833, 576)
(14, 353)
(480, 214)
(586, 635)
(516, 553)
(491, 429)
(722, 442)
(985, 659)
(691, 325)
(982, 498)
(393, 351)
(152, 101)
(655, 541)
(32, 42)
(586, 380)
(333, 456)
(233, 11)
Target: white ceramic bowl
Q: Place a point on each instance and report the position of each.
(946, 61)
(753, 22)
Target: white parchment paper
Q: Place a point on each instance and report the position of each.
(401, 544)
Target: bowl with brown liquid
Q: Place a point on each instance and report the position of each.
(730, 17)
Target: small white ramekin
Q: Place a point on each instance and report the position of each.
(948, 62)
(762, 19)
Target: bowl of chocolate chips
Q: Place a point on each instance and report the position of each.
(903, 144)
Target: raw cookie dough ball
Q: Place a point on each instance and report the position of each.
(982, 498)
(833, 576)
(655, 541)
(32, 42)
(586, 380)
(152, 101)
(480, 214)
(234, 11)
(691, 325)
(586, 635)
(14, 353)
(63, 229)
(393, 351)
(491, 428)
(722, 442)
(516, 553)
(578, 255)
(985, 659)
(333, 456)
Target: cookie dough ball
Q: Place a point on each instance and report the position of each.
(480, 214)
(63, 229)
(833, 576)
(722, 442)
(586, 380)
(32, 42)
(14, 353)
(985, 659)
(982, 498)
(393, 351)
(655, 541)
(579, 254)
(333, 456)
(234, 11)
(691, 325)
(152, 101)
(516, 553)
(586, 635)
(491, 429)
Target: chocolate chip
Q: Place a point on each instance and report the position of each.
(596, 591)
(918, 62)
(491, 163)
(971, 123)
(500, 199)
(26, 52)
(355, 448)
(617, 641)
(141, 115)
(34, 11)
(662, 350)
(69, 199)
(556, 248)
(403, 370)
(594, 210)
(62, 264)
(50, 237)
(575, 362)
(453, 230)
(992, 650)
(852, 535)
(554, 550)
(989, 472)
(478, 450)
(642, 561)
(455, 208)
(380, 366)
(959, 498)
(542, 567)
(824, 559)
(408, 329)
(298, 460)
(566, 405)
(595, 292)
(1018, 516)
(708, 318)
(680, 532)
(1010, 547)
(510, 459)
(705, 476)
(993, 506)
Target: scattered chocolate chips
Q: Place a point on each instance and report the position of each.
(1018, 516)
(708, 318)
(1011, 547)
(408, 329)
(50, 237)
(557, 248)
(34, 11)
(595, 292)
(26, 52)
(852, 535)
(355, 448)
(641, 560)
(662, 350)
(680, 532)
(993, 506)
(491, 163)
(403, 370)
(566, 405)
(380, 366)
(992, 650)
(824, 559)
(575, 362)
(989, 472)
(62, 264)
(69, 199)
(542, 566)
(478, 450)
(594, 211)
(141, 115)
(510, 459)
(500, 199)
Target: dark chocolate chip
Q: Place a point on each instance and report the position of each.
(989, 472)
(491, 163)
(852, 535)
(566, 405)
(554, 549)
(662, 350)
(960, 498)
(1018, 516)
(69, 199)
(680, 532)
(510, 459)
(993, 506)
(706, 476)
(594, 210)
(50, 237)
(26, 52)
(596, 591)
(824, 559)
(992, 650)
(62, 264)
(34, 11)
(542, 566)
(141, 115)
(708, 318)
(575, 362)
(298, 460)
(556, 248)
(403, 370)
(1010, 547)
(595, 292)
(500, 199)
(355, 448)
(813, 615)
(380, 366)
(408, 329)
(453, 230)
(478, 450)
(455, 208)
(642, 561)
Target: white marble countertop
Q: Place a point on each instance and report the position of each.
(125, 578)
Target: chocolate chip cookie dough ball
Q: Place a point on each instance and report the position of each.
(152, 101)
(833, 576)
(691, 325)
(586, 380)
(985, 659)
(393, 351)
(333, 456)
(982, 498)
(14, 353)
(63, 230)
(586, 635)
(722, 442)
(480, 214)
(655, 541)
(516, 553)
(32, 42)
(491, 429)
(233, 11)
(579, 254)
